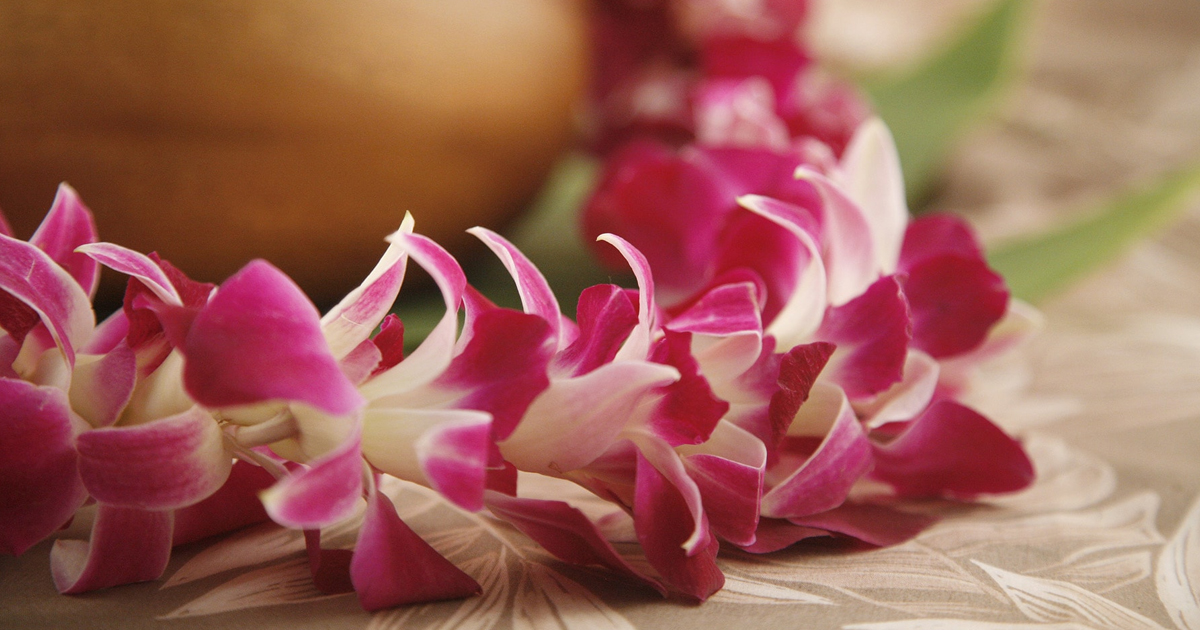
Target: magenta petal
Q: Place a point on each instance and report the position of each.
(536, 296)
(775, 534)
(850, 257)
(725, 310)
(688, 411)
(68, 225)
(877, 525)
(606, 317)
(330, 567)
(234, 506)
(953, 451)
(454, 458)
(358, 314)
(259, 339)
(161, 465)
(33, 278)
(664, 523)
(502, 368)
(565, 532)
(935, 235)
(638, 344)
(39, 480)
(101, 388)
(322, 494)
(137, 265)
(730, 491)
(128, 545)
(798, 370)
(392, 566)
(872, 332)
(955, 301)
(823, 480)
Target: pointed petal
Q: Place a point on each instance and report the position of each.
(233, 506)
(127, 545)
(101, 386)
(849, 246)
(953, 451)
(392, 566)
(68, 225)
(872, 332)
(665, 522)
(805, 307)
(36, 281)
(575, 420)
(869, 172)
(358, 314)
(137, 265)
(823, 480)
(638, 344)
(39, 480)
(161, 465)
(606, 318)
(322, 494)
(565, 532)
(434, 354)
(259, 339)
(536, 296)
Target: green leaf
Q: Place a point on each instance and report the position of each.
(1038, 267)
(928, 107)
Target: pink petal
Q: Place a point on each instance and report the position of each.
(728, 309)
(739, 113)
(778, 59)
(325, 492)
(127, 545)
(330, 567)
(137, 265)
(822, 481)
(906, 399)
(108, 334)
(935, 235)
(68, 225)
(955, 301)
(869, 173)
(728, 470)
(5, 228)
(565, 532)
(436, 351)
(390, 342)
(392, 566)
(753, 249)
(454, 458)
(872, 332)
(259, 339)
(576, 420)
(776, 534)
(37, 282)
(850, 251)
(670, 466)
(502, 368)
(688, 411)
(873, 524)
(805, 306)
(102, 386)
(361, 362)
(536, 296)
(161, 465)
(953, 451)
(606, 317)
(666, 523)
(39, 480)
(233, 506)
(358, 314)
(798, 372)
(637, 346)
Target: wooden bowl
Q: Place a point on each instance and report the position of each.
(300, 131)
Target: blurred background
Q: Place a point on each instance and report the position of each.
(299, 131)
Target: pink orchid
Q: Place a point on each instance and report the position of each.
(92, 416)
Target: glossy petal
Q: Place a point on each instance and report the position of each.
(33, 278)
(358, 314)
(68, 225)
(576, 420)
(872, 332)
(565, 532)
(259, 339)
(536, 296)
(952, 451)
(805, 307)
(392, 566)
(161, 465)
(322, 494)
(821, 481)
(39, 480)
(127, 545)
(666, 523)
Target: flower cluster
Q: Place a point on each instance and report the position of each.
(788, 366)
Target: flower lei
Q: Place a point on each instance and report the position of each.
(789, 365)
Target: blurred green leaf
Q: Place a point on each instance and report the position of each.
(1038, 267)
(929, 106)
